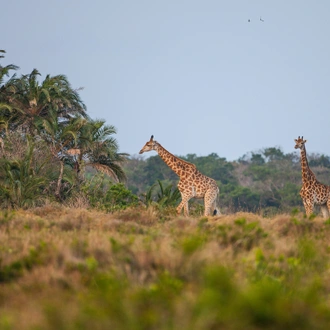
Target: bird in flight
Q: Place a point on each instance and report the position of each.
(261, 19)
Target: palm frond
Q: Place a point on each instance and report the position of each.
(5, 106)
(104, 169)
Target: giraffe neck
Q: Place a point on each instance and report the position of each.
(179, 166)
(306, 172)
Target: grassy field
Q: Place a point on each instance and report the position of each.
(66, 268)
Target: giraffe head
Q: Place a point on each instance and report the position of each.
(300, 142)
(150, 145)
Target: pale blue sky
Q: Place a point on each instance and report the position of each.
(195, 74)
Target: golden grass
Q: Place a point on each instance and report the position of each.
(71, 268)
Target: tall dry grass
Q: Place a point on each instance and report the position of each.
(70, 268)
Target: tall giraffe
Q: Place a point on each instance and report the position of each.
(192, 183)
(312, 191)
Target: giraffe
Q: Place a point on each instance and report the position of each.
(312, 192)
(192, 183)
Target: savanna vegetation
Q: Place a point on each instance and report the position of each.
(67, 268)
(90, 238)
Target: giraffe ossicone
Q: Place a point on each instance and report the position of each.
(192, 183)
(312, 191)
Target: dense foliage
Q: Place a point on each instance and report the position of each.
(50, 148)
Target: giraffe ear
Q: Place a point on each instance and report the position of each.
(295, 140)
(152, 138)
(305, 141)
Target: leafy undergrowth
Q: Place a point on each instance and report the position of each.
(66, 268)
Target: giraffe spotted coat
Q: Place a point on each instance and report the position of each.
(192, 183)
(312, 191)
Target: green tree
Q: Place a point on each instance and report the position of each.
(118, 197)
(319, 160)
(31, 102)
(81, 143)
(5, 107)
(257, 159)
(4, 72)
(61, 136)
(273, 153)
(290, 196)
(243, 199)
(99, 149)
(214, 167)
(155, 169)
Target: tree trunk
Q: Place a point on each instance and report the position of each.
(59, 181)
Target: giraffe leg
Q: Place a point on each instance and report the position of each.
(207, 206)
(184, 205)
(186, 210)
(328, 207)
(215, 210)
(209, 202)
(325, 211)
(309, 207)
(179, 208)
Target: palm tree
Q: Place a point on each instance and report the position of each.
(82, 143)
(31, 101)
(61, 136)
(4, 70)
(5, 107)
(99, 150)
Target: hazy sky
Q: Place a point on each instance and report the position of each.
(196, 74)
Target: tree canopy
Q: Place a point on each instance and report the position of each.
(49, 115)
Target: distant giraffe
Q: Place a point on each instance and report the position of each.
(312, 192)
(192, 183)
